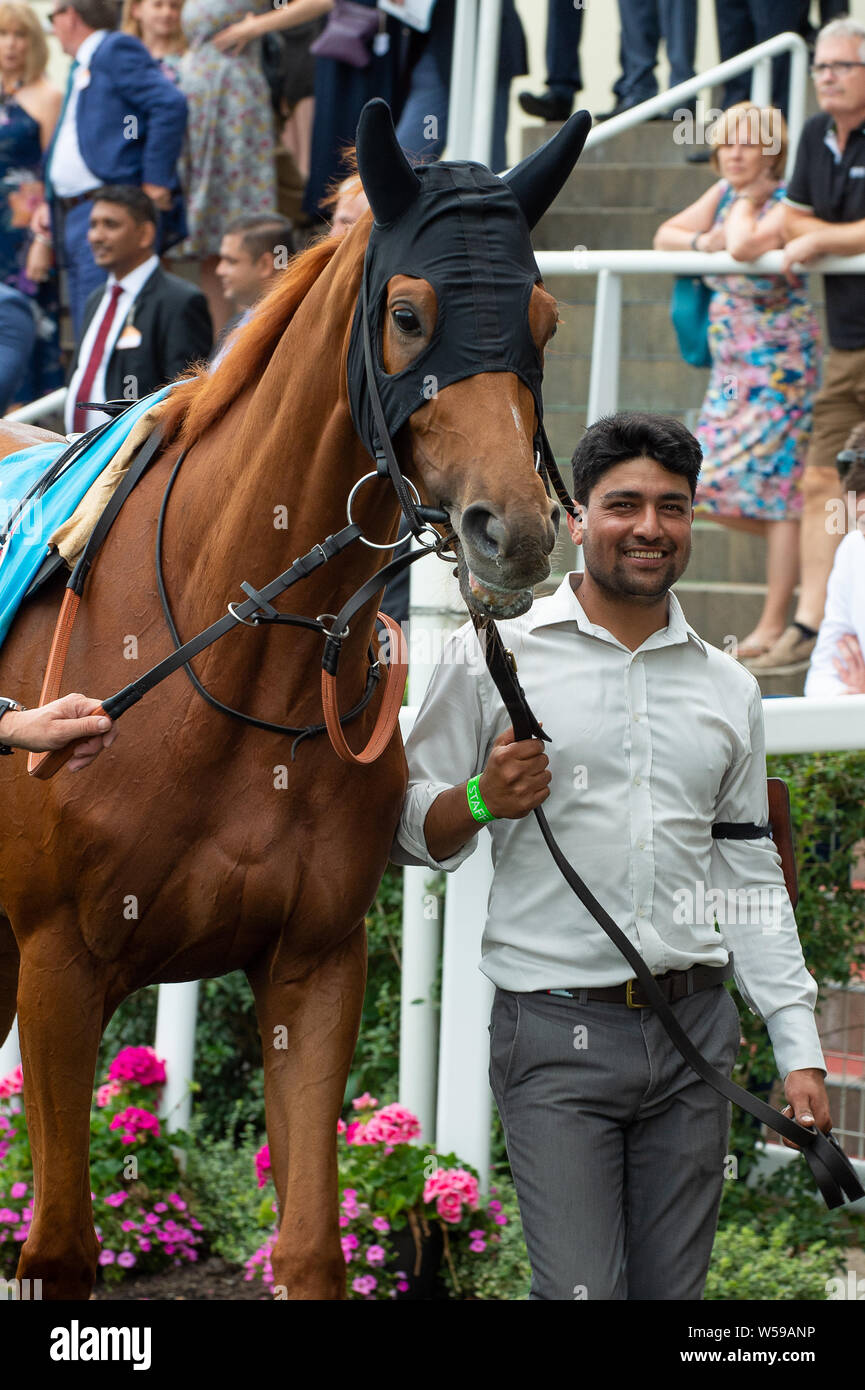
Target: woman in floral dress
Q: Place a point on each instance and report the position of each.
(764, 342)
(227, 164)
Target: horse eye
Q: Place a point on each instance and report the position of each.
(406, 320)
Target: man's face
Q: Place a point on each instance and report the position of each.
(117, 241)
(65, 28)
(243, 279)
(636, 530)
(840, 92)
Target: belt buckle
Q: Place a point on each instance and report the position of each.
(629, 996)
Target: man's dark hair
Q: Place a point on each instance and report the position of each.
(634, 434)
(98, 14)
(135, 200)
(851, 460)
(262, 233)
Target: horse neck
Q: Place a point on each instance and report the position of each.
(273, 479)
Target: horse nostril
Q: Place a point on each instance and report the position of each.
(484, 531)
(555, 519)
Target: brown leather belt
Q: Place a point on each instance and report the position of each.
(675, 984)
(66, 204)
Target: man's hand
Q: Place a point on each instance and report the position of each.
(849, 664)
(40, 222)
(68, 720)
(809, 1104)
(801, 250)
(159, 195)
(516, 778)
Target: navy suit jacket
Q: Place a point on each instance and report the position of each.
(131, 118)
(17, 341)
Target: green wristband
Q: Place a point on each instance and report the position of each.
(476, 802)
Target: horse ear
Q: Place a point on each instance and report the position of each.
(388, 179)
(540, 177)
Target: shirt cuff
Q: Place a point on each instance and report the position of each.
(795, 1041)
(409, 844)
(798, 207)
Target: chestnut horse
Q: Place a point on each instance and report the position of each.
(196, 846)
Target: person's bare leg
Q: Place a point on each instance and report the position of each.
(818, 542)
(297, 133)
(782, 572)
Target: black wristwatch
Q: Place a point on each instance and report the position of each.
(4, 706)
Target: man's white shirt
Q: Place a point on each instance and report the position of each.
(844, 615)
(69, 175)
(132, 285)
(649, 749)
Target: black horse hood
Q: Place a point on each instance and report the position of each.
(467, 232)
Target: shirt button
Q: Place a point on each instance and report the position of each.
(637, 782)
(641, 844)
(636, 719)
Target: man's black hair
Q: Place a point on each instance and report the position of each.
(634, 434)
(262, 233)
(138, 203)
(98, 14)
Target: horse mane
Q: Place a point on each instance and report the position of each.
(201, 400)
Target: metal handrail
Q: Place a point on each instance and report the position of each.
(583, 262)
(759, 57)
(38, 409)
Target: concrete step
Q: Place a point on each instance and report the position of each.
(653, 142)
(661, 382)
(598, 229)
(722, 613)
(659, 185)
(718, 553)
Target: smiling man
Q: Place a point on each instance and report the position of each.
(617, 1148)
(146, 326)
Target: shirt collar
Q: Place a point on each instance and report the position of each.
(134, 282)
(564, 606)
(830, 138)
(86, 49)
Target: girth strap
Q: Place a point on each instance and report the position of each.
(832, 1170)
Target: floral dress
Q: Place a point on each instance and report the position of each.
(227, 165)
(756, 418)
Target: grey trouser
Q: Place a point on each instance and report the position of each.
(616, 1147)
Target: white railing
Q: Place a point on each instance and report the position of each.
(610, 266)
(759, 59)
(38, 409)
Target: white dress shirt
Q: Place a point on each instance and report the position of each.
(844, 615)
(649, 749)
(132, 285)
(68, 173)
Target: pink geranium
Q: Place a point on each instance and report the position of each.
(262, 1164)
(106, 1093)
(12, 1084)
(135, 1124)
(449, 1188)
(365, 1102)
(139, 1064)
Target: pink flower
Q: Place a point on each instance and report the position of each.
(393, 1124)
(139, 1064)
(402, 1285)
(262, 1164)
(501, 1220)
(364, 1284)
(450, 1207)
(115, 1199)
(478, 1246)
(349, 1242)
(135, 1124)
(380, 1223)
(129, 1225)
(364, 1102)
(340, 1126)
(144, 1245)
(106, 1257)
(449, 1187)
(126, 1259)
(352, 1129)
(18, 1189)
(376, 1255)
(106, 1093)
(12, 1084)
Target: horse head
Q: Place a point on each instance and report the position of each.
(458, 322)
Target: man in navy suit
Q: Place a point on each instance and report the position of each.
(123, 122)
(17, 341)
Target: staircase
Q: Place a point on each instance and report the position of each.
(615, 199)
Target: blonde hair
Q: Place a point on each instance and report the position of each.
(14, 15)
(766, 126)
(130, 25)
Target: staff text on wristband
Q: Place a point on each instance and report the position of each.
(476, 802)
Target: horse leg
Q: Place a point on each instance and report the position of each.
(8, 977)
(309, 1029)
(61, 1004)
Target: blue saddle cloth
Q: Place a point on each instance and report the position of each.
(27, 546)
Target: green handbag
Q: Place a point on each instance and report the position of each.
(689, 310)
